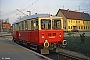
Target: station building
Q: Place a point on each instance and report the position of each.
(74, 20)
(6, 27)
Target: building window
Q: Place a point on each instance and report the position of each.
(83, 22)
(81, 27)
(76, 21)
(84, 27)
(69, 27)
(65, 27)
(71, 21)
(88, 27)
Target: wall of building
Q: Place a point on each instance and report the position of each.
(81, 25)
(60, 14)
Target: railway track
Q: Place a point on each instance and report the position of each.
(71, 57)
(64, 55)
(67, 55)
(61, 56)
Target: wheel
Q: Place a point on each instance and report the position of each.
(13, 40)
(38, 49)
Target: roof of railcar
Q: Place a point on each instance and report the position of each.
(33, 16)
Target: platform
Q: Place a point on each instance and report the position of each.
(12, 51)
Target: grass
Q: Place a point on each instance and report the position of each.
(75, 44)
(70, 33)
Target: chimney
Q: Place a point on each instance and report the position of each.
(68, 10)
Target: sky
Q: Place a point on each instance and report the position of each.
(8, 7)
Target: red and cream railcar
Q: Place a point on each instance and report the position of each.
(40, 32)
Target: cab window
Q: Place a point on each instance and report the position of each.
(56, 24)
(45, 24)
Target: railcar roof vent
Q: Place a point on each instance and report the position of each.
(68, 10)
(35, 13)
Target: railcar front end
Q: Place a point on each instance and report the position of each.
(51, 35)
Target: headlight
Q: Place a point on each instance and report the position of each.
(60, 35)
(42, 35)
(64, 42)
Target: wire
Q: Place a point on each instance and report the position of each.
(22, 12)
(25, 3)
(27, 7)
(20, 6)
(31, 4)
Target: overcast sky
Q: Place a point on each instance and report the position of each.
(8, 7)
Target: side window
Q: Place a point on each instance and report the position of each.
(22, 25)
(31, 24)
(19, 26)
(26, 25)
(37, 24)
(34, 24)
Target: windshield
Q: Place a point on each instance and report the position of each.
(45, 24)
(56, 24)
